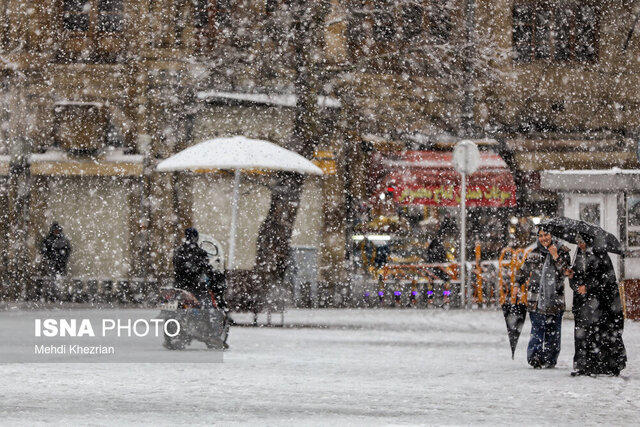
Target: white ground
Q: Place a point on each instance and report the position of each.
(369, 367)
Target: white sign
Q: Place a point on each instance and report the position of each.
(466, 157)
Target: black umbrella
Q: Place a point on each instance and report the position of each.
(514, 316)
(568, 229)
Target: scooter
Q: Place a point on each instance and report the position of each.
(193, 320)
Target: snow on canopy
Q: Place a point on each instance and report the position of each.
(238, 152)
(283, 100)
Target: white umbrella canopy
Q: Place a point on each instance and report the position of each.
(237, 153)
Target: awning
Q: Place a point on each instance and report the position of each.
(592, 180)
(599, 152)
(279, 99)
(428, 178)
(60, 163)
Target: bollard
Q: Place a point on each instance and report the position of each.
(478, 275)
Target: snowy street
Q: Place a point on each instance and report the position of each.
(363, 367)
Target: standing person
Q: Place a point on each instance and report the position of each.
(602, 350)
(55, 250)
(543, 273)
(436, 252)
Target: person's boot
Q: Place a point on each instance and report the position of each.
(614, 372)
(536, 362)
(582, 373)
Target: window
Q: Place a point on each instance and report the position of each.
(110, 16)
(522, 32)
(542, 34)
(633, 221)
(356, 31)
(377, 26)
(76, 15)
(80, 127)
(564, 19)
(384, 27)
(211, 15)
(412, 21)
(439, 20)
(270, 6)
(84, 15)
(562, 32)
(590, 212)
(586, 19)
(92, 30)
(211, 18)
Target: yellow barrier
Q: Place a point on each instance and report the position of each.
(479, 296)
(510, 258)
(516, 260)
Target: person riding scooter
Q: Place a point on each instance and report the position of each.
(193, 272)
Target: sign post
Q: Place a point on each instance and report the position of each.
(466, 159)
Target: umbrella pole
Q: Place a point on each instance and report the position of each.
(234, 218)
(463, 240)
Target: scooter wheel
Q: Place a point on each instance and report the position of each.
(177, 342)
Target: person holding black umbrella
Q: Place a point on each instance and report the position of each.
(543, 274)
(599, 318)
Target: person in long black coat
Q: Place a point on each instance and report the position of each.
(436, 252)
(55, 250)
(600, 315)
(577, 280)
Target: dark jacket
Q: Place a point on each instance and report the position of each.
(218, 285)
(580, 276)
(191, 267)
(436, 251)
(531, 275)
(55, 250)
(579, 310)
(599, 312)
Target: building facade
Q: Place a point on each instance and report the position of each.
(552, 82)
(96, 92)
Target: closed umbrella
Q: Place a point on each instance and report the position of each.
(514, 316)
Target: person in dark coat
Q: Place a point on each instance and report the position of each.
(543, 274)
(600, 315)
(55, 250)
(436, 252)
(192, 271)
(576, 281)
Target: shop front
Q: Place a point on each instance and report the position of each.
(414, 208)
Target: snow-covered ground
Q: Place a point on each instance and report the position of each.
(365, 367)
